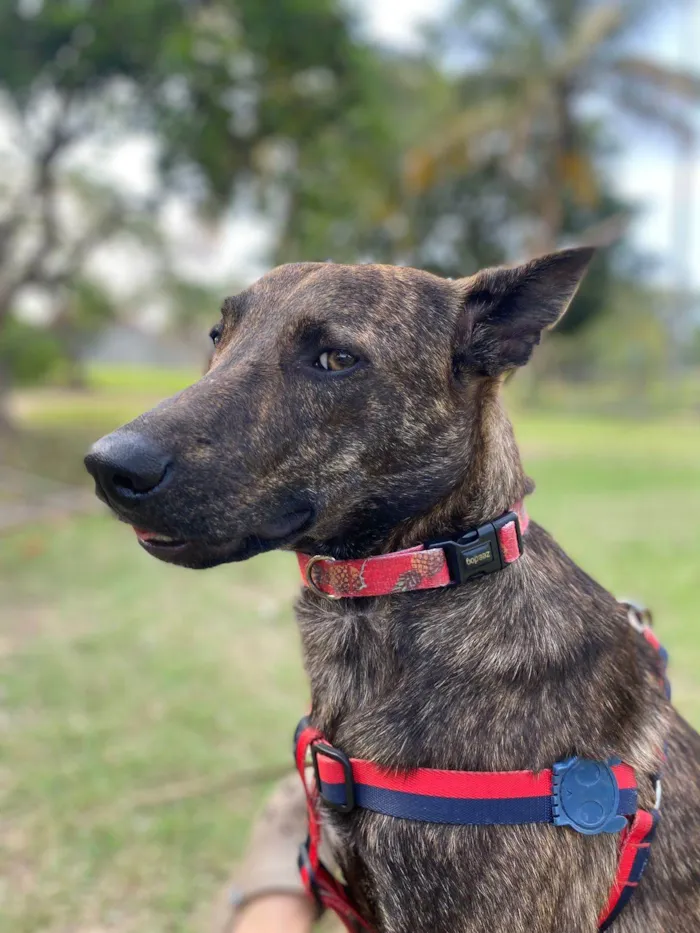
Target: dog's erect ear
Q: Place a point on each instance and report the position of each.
(506, 310)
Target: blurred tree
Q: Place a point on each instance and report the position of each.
(28, 353)
(527, 74)
(193, 308)
(352, 151)
(531, 69)
(384, 185)
(349, 195)
(84, 309)
(692, 348)
(231, 90)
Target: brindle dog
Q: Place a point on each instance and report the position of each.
(354, 410)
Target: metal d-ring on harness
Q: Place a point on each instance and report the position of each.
(640, 618)
(587, 796)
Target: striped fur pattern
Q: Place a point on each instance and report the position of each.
(511, 671)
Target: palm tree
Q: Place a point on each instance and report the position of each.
(541, 82)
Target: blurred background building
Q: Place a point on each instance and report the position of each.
(157, 155)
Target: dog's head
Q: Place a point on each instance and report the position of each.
(340, 402)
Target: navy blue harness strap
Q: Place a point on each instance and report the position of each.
(464, 811)
(587, 796)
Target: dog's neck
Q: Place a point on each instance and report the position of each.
(487, 479)
(502, 672)
(493, 481)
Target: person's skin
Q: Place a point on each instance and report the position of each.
(276, 913)
(266, 882)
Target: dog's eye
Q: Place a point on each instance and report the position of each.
(336, 361)
(215, 334)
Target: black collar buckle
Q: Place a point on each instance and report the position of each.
(478, 551)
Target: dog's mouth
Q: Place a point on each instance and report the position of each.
(153, 542)
(199, 554)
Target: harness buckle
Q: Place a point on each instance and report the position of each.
(586, 797)
(479, 550)
(347, 803)
(638, 616)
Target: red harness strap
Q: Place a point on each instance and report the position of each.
(319, 882)
(486, 549)
(588, 796)
(635, 847)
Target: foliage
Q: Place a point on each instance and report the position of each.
(29, 354)
(222, 83)
(629, 347)
(535, 86)
(489, 144)
(692, 348)
(528, 74)
(231, 90)
(194, 307)
(88, 306)
(350, 197)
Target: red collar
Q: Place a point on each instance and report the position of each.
(485, 549)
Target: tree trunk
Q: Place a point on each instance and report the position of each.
(550, 208)
(7, 426)
(72, 346)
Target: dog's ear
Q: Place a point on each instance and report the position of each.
(506, 310)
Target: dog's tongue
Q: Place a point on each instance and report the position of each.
(144, 535)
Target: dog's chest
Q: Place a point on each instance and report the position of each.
(457, 687)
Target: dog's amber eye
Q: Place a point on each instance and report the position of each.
(336, 360)
(215, 334)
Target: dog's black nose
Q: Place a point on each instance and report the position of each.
(127, 465)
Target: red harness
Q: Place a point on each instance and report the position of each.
(587, 796)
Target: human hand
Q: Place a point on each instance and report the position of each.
(276, 913)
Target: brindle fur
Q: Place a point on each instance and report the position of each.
(514, 670)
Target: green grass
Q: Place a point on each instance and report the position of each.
(122, 378)
(121, 675)
(114, 395)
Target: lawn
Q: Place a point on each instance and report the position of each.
(131, 688)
